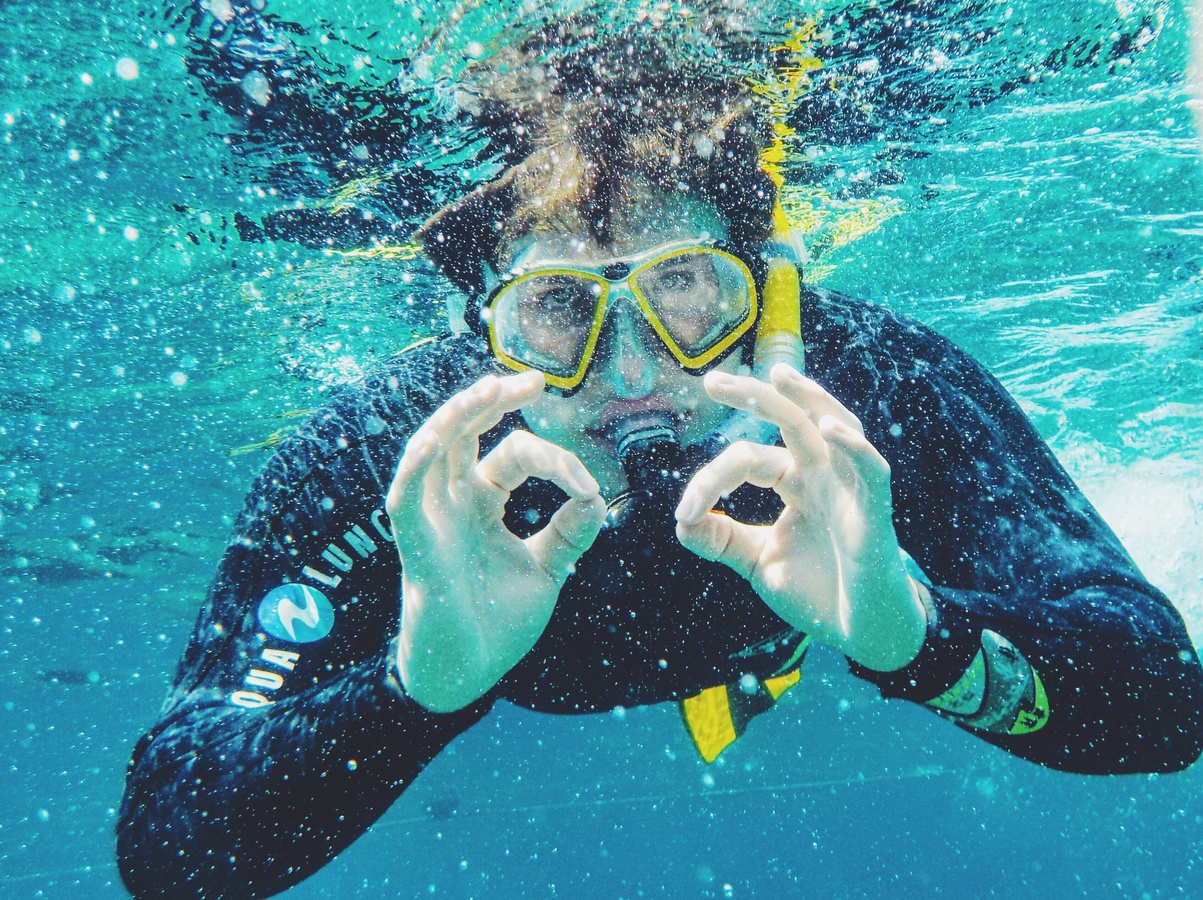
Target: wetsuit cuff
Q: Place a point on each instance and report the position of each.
(951, 642)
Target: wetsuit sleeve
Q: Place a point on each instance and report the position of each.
(287, 732)
(1043, 636)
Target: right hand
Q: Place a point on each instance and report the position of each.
(476, 597)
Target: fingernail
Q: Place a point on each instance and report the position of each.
(419, 443)
(831, 424)
(784, 370)
(687, 510)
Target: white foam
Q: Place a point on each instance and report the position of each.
(1156, 509)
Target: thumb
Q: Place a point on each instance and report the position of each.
(722, 539)
(569, 534)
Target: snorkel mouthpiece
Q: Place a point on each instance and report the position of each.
(650, 454)
(649, 451)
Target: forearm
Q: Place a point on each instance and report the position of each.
(443, 658)
(232, 802)
(888, 625)
(1106, 679)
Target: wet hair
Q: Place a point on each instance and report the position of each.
(592, 133)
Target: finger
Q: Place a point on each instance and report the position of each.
(853, 456)
(811, 396)
(571, 531)
(720, 538)
(405, 493)
(461, 420)
(521, 455)
(765, 402)
(412, 485)
(741, 463)
(478, 408)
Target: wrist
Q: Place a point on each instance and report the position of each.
(900, 638)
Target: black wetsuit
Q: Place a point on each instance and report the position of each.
(279, 746)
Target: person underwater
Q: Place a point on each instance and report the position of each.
(648, 464)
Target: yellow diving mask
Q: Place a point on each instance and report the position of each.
(699, 299)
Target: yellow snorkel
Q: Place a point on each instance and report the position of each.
(779, 334)
(779, 331)
(778, 338)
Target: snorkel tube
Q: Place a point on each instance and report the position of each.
(656, 466)
(778, 340)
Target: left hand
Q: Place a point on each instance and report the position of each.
(830, 565)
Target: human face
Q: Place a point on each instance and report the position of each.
(700, 300)
(632, 373)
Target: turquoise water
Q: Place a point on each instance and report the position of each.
(1045, 216)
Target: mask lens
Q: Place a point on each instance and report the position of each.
(700, 296)
(544, 320)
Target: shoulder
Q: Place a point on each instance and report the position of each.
(347, 449)
(909, 385)
(852, 340)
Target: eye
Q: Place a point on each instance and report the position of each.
(676, 278)
(556, 298)
(563, 299)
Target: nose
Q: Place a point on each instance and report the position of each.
(630, 362)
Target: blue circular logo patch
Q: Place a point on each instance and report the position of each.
(296, 613)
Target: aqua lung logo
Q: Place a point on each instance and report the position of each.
(300, 614)
(296, 613)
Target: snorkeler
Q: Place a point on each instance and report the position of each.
(652, 465)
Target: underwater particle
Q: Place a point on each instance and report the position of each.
(256, 86)
(127, 69)
(748, 683)
(223, 10)
(130, 233)
(179, 379)
(728, 890)
(707, 779)
(33, 336)
(620, 712)
(44, 815)
(85, 77)
(705, 874)
(440, 809)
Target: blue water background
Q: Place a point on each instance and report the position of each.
(1053, 232)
